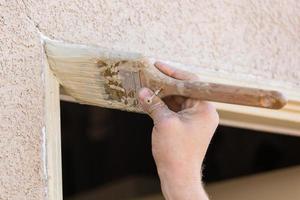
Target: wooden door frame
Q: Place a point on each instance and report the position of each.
(52, 133)
(286, 120)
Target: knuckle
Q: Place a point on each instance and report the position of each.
(215, 117)
(157, 106)
(209, 111)
(206, 107)
(171, 119)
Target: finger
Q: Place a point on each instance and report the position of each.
(197, 107)
(153, 105)
(189, 103)
(175, 73)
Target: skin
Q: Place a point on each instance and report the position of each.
(182, 131)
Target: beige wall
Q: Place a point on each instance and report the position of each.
(261, 37)
(21, 106)
(257, 38)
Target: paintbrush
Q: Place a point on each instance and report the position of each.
(107, 78)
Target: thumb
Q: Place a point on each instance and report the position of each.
(153, 105)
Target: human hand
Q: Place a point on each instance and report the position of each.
(182, 131)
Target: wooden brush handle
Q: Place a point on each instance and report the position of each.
(216, 92)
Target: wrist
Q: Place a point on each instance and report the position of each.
(182, 184)
(180, 172)
(184, 189)
(180, 176)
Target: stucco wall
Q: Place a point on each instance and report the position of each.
(21, 106)
(259, 38)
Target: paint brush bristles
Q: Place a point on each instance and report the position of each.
(107, 78)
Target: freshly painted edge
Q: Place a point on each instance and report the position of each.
(53, 136)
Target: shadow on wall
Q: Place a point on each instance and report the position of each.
(110, 151)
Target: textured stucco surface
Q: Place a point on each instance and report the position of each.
(259, 37)
(21, 106)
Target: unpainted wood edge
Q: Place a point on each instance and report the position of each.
(238, 122)
(53, 137)
(284, 121)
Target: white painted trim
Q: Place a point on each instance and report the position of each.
(53, 137)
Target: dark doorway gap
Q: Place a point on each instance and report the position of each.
(103, 145)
